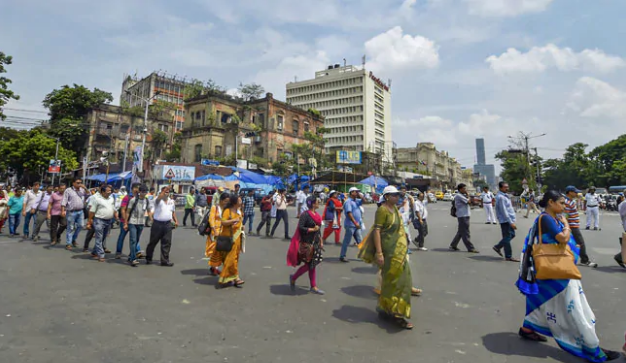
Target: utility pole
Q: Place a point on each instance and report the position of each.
(525, 138)
(125, 151)
(56, 157)
(145, 126)
(538, 170)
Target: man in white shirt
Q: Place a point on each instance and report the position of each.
(280, 201)
(41, 210)
(30, 198)
(301, 200)
(101, 213)
(421, 214)
(487, 198)
(162, 215)
(620, 258)
(592, 207)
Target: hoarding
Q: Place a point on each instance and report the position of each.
(54, 167)
(178, 173)
(348, 157)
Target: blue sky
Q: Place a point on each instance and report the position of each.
(460, 69)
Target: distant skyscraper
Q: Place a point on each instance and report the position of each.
(481, 167)
(480, 152)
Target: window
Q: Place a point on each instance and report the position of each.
(280, 123)
(198, 115)
(179, 125)
(198, 153)
(203, 118)
(306, 127)
(218, 150)
(295, 125)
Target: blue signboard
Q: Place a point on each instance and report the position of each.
(348, 157)
(208, 162)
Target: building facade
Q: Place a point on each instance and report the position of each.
(170, 89)
(213, 120)
(445, 172)
(356, 106)
(481, 166)
(113, 131)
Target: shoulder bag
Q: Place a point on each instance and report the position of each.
(225, 243)
(204, 227)
(554, 261)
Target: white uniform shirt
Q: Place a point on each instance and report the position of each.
(163, 209)
(593, 200)
(420, 208)
(487, 198)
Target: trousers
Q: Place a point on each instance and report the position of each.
(266, 219)
(508, 233)
(593, 213)
(489, 213)
(281, 214)
(463, 232)
(578, 237)
(160, 232)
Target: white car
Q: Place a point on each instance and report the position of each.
(432, 198)
(447, 197)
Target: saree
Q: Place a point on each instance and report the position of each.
(395, 295)
(559, 308)
(216, 228)
(230, 259)
(304, 252)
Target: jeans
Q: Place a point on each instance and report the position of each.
(40, 219)
(189, 212)
(120, 240)
(281, 214)
(135, 234)
(266, 219)
(508, 233)
(75, 220)
(422, 233)
(14, 222)
(347, 237)
(27, 222)
(250, 218)
(101, 228)
(463, 232)
(160, 231)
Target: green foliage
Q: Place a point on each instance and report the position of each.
(5, 93)
(197, 88)
(74, 102)
(251, 91)
(71, 132)
(314, 112)
(174, 155)
(162, 109)
(31, 150)
(514, 169)
(607, 163)
(135, 111)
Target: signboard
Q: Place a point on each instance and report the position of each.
(252, 166)
(242, 164)
(246, 141)
(178, 173)
(54, 167)
(348, 157)
(209, 162)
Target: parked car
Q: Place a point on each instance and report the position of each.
(439, 195)
(431, 198)
(447, 197)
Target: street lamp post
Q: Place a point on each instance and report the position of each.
(145, 125)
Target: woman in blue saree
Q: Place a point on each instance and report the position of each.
(559, 308)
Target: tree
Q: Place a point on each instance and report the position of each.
(603, 159)
(161, 109)
(74, 102)
(158, 141)
(5, 93)
(32, 150)
(197, 88)
(174, 154)
(514, 168)
(250, 92)
(68, 107)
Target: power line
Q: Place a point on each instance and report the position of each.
(24, 110)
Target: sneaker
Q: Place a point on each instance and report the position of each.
(85, 249)
(343, 259)
(422, 249)
(106, 250)
(134, 263)
(589, 264)
(118, 256)
(317, 291)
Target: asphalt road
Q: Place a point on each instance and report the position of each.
(59, 306)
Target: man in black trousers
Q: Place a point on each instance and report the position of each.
(461, 202)
(162, 216)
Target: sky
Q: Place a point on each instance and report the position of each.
(460, 69)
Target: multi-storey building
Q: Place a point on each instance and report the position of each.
(488, 170)
(444, 171)
(356, 106)
(113, 131)
(170, 89)
(211, 125)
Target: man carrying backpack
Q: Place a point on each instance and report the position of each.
(461, 210)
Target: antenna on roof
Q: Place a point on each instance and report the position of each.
(363, 60)
(344, 62)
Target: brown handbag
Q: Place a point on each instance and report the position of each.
(554, 261)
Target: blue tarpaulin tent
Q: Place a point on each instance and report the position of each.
(377, 181)
(209, 176)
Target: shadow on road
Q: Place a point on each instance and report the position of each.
(511, 344)
(365, 270)
(285, 290)
(196, 272)
(362, 291)
(209, 280)
(440, 250)
(486, 258)
(358, 315)
(611, 269)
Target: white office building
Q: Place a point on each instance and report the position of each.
(356, 106)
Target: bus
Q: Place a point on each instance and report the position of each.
(616, 189)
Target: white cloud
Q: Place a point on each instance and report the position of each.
(433, 129)
(538, 59)
(506, 8)
(593, 98)
(395, 50)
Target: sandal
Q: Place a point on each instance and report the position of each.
(415, 291)
(239, 283)
(532, 336)
(403, 323)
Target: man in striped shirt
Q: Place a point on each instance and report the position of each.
(571, 213)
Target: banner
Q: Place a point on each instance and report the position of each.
(137, 160)
(348, 157)
(178, 173)
(54, 167)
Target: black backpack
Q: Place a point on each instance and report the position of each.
(204, 227)
(453, 209)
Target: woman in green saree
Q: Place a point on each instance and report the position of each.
(387, 247)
